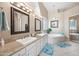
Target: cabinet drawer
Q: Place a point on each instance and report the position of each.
(31, 49)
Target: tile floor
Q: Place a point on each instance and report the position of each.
(73, 50)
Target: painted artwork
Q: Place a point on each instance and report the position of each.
(54, 24)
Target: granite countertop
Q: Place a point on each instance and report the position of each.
(12, 47)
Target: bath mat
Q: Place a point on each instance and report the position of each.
(63, 44)
(48, 49)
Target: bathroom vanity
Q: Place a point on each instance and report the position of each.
(32, 48)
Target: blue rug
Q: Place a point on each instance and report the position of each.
(63, 44)
(48, 49)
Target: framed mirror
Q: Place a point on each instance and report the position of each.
(37, 25)
(19, 21)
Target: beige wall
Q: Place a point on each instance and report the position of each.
(43, 10)
(69, 13)
(6, 34)
(59, 17)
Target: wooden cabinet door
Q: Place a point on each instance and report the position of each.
(38, 47)
(16, 54)
(32, 52)
(31, 49)
(22, 52)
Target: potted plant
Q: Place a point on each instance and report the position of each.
(49, 30)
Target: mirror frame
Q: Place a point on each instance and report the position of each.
(35, 24)
(54, 21)
(12, 21)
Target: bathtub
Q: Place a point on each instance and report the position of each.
(55, 38)
(74, 36)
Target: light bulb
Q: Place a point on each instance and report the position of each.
(27, 10)
(21, 4)
(34, 15)
(24, 8)
(18, 5)
(30, 9)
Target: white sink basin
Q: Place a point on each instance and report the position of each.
(42, 34)
(26, 40)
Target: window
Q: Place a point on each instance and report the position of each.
(73, 24)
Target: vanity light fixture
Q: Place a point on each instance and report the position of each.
(16, 4)
(22, 6)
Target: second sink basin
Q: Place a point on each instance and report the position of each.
(26, 40)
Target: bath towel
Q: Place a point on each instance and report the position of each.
(0, 20)
(3, 22)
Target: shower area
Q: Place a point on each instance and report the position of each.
(74, 28)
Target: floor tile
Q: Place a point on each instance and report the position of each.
(73, 50)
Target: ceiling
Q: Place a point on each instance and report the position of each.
(62, 6)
